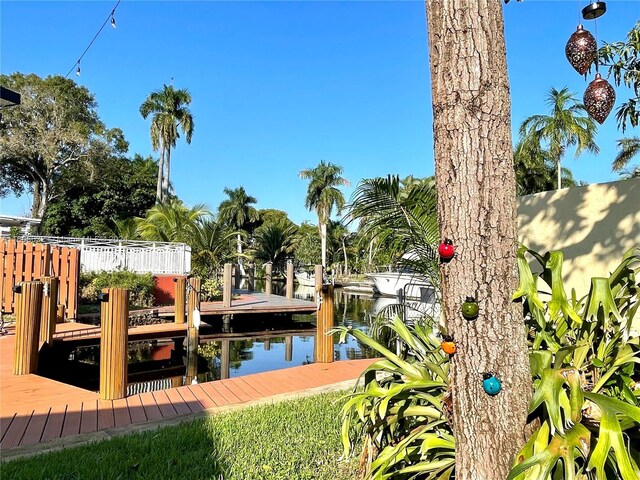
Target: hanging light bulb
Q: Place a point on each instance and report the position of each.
(113, 21)
(78, 69)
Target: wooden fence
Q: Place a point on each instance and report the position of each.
(26, 261)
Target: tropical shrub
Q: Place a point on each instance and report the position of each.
(211, 289)
(586, 401)
(140, 286)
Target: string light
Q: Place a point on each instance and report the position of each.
(111, 17)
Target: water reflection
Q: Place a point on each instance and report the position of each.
(253, 345)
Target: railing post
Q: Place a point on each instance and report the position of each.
(193, 318)
(268, 278)
(28, 309)
(179, 299)
(226, 285)
(114, 317)
(289, 278)
(49, 304)
(324, 324)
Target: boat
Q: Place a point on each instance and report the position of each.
(412, 285)
(410, 310)
(306, 279)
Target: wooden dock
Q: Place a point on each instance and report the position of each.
(35, 410)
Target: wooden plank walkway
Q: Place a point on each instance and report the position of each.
(35, 410)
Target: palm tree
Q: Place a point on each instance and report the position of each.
(211, 246)
(535, 171)
(237, 211)
(568, 124)
(627, 149)
(170, 111)
(402, 218)
(171, 221)
(274, 242)
(323, 195)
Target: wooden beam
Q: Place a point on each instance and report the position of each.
(28, 312)
(180, 298)
(49, 309)
(113, 343)
(226, 285)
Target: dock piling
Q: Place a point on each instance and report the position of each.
(114, 317)
(180, 298)
(28, 310)
(289, 278)
(226, 285)
(288, 348)
(252, 277)
(193, 323)
(268, 278)
(237, 276)
(325, 320)
(49, 304)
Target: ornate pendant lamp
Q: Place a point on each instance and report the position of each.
(581, 50)
(599, 98)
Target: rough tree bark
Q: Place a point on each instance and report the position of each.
(476, 209)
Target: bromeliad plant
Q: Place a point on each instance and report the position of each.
(586, 376)
(586, 380)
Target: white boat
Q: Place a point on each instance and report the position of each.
(306, 279)
(411, 284)
(411, 310)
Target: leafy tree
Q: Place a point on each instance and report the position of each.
(475, 185)
(170, 112)
(623, 61)
(536, 171)
(323, 195)
(308, 246)
(567, 124)
(56, 128)
(88, 202)
(237, 211)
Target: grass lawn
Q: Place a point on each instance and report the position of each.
(298, 439)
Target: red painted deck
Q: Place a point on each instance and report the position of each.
(35, 410)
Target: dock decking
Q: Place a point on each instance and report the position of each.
(35, 410)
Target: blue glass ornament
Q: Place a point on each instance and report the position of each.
(491, 384)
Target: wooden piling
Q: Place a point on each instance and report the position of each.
(226, 285)
(288, 348)
(224, 359)
(324, 324)
(49, 313)
(289, 279)
(180, 298)
(268, 278)
(267, 344)
(252, 277)
(237, 276)
(114, 317)
(194, 299)
(28, 311)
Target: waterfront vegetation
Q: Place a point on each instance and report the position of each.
(297, 439)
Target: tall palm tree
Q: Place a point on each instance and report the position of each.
(627, 149)
(323, 195)
(211, 246)
(274, 242)
(237, 211)
(567, 124)
(535, 171)
(170, 111)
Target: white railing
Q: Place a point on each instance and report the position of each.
(102, 254)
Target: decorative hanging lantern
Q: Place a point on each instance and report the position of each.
(599, 98)
(448, 345)
(581, 50)
(470, 309)
(446, 250)
(491, 384)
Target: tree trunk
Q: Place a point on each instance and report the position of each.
(559, 175)
(160, 171)
(36, 207)
(165, 176)
(323, 242)
(475, 182)
(346, 259)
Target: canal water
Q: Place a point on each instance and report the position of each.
(255, 345)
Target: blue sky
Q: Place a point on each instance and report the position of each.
(278, 86)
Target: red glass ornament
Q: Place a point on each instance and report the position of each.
(581, 50)
(599, 98)
(446, 250)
